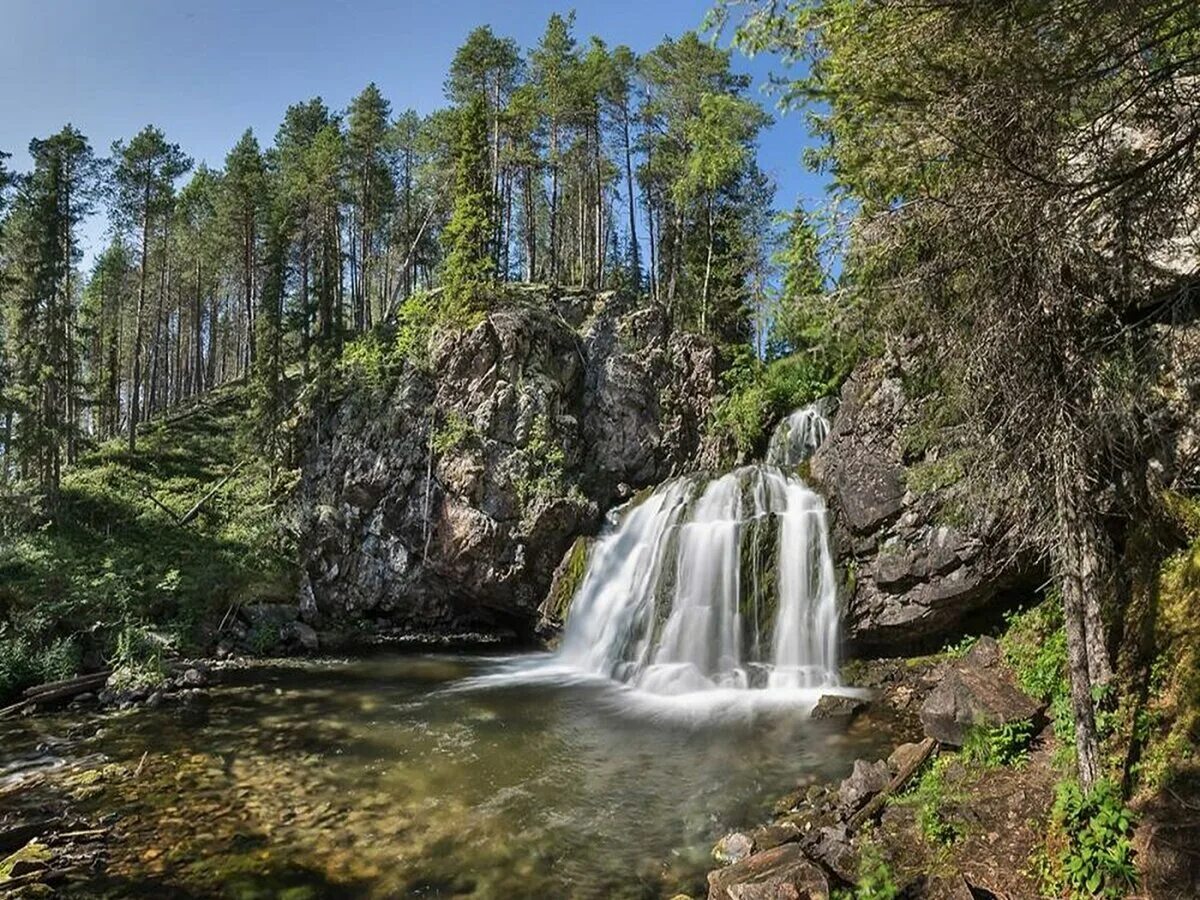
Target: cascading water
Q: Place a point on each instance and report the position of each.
(721, 584)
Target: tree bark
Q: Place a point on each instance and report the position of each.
(1076, 565)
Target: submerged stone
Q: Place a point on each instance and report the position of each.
(837, 706)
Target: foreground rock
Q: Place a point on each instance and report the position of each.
(444, 498)
(920, 569)
(976, 691)
(782, 873)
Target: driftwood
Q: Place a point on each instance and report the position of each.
(68, 682)
(901, 778)
(57, 690)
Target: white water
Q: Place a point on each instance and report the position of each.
(679, 596)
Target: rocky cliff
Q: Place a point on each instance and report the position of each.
(444, 499)
(917, 569)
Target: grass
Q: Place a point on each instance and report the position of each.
(119, 563)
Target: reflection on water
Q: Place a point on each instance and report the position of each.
(422, 776)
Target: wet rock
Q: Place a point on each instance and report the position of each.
(783, 873)
(193, 677)
(732, 848)
(978, 690)
(838, 706)
(833, 848)
(767, 837)
(867, 780)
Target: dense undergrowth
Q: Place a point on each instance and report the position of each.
(117, 578)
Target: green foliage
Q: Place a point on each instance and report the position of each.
(757, 395)
(929, 797)
(960, 648)
(541, 461)
(998, 745)
(415, 323)
(116, 561)
(469, 265)
(368, 360)
(933, 475)
(874, 879)
(454, 432)
(1089, 849)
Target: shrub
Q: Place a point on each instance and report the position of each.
(873, 880)
(929, 796)
(1089, 848)
(998, 745)
(758, 395)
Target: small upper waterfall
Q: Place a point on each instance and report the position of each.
(722, 583)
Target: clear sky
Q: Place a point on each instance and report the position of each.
(205, 70)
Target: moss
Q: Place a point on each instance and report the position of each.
(563, 591)
(33, 852)
(933, 475)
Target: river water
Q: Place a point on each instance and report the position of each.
(408, 775)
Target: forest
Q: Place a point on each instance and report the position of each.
(748, 493)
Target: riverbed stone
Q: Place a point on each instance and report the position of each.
(838, 706)
(782, 873)
(978, 690)
(733, 848)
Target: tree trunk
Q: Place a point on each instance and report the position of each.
(1076, 560)
(135, 380)
(635, 263)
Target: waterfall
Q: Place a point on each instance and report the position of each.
(720, 584)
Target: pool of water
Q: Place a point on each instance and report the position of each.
(432, 776)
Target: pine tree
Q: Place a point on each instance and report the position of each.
(243, 198)
(143, 192)
(372, 193)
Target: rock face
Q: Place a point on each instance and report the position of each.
(978, 690)
(915, 572)
(445, 499)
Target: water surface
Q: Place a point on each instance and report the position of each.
(434, 776)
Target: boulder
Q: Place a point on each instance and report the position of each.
(301, 635)
(783, 873)
(978, 690)
(270, 615)
(867, 780)
(838, 706)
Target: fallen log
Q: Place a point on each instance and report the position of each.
(901, 778)
(54, 694)
(88, 680)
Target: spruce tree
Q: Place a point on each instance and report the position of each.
(469, 268)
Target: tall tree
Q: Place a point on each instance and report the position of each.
(243, 202)
(52, 201)
(146, 169)
(468, 267)
(371, 191)
(554, 62)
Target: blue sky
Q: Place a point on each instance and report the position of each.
(205, 70)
